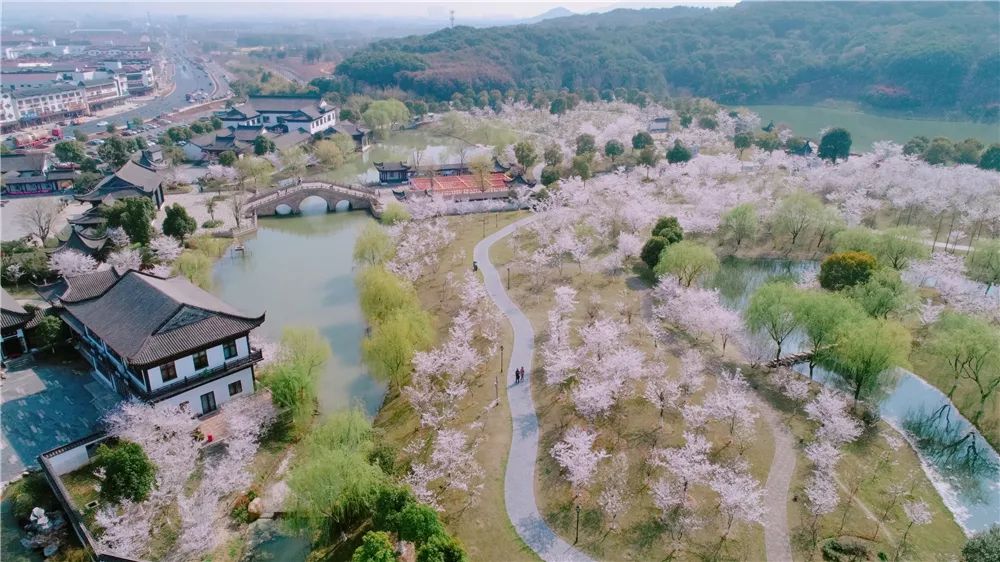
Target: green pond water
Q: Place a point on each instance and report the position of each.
(401, 147)
(299, 270)
(866, 128)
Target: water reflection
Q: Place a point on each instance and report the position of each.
(962, 465)
(299, 270)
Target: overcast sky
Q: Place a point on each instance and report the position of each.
(468, 9)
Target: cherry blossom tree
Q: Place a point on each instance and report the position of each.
(829, 409)
(823, 497)
(576, 455)
(660, 391)
(688, 463)
(71, 263)
(166, 249)
(740, 499)
(614, 498)
(119, 238)
(125, 258)
(452, 466)
(126, 528)
(918, 513)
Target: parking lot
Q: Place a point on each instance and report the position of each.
(46, 404)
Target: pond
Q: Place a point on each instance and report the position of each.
(959, 462)
(866, 128)
(300, 271)
(400, 147)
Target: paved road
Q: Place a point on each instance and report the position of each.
(777, 542)
(519, 480)
(187, 77)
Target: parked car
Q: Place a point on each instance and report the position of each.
(102, 123)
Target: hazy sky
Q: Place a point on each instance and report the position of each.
(469, 9)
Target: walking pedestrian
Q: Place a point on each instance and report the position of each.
(475, 267)
(517, 375)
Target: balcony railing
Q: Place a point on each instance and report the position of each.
(207, 375)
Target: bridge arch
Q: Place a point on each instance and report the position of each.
(314, 205)
(297, 198)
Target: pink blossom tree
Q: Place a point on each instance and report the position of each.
(125, 258)
(576, 455)
(452, 466)
(71, 263)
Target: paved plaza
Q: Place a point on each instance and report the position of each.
(47, 403)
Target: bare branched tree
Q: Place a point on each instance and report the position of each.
(38, 217)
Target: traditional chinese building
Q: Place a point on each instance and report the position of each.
(158, 340)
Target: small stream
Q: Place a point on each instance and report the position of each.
(957, 459)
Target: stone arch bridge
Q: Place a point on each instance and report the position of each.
(357, 197)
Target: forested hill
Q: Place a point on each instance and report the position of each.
(921, 57)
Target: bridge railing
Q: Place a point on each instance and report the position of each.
(359, 191)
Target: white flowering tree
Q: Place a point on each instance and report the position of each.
(71, 263)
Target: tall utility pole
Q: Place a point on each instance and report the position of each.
(453, 18)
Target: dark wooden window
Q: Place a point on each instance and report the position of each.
(200, 360)
(229, 349)
(168, 372)
(235, 388)
(208, 403)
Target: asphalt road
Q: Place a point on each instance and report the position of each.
(188, 78)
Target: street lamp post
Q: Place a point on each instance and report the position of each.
(508, 276)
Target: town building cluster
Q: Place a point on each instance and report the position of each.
(70, 73)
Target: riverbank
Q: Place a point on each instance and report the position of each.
(482, 527)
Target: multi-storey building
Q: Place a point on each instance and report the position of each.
(158, 340)
(310, 114)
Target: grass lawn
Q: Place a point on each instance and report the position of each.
(483, 527)
(634, 428)
(872, 459)
(877, 463)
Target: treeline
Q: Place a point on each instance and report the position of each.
(906, 56)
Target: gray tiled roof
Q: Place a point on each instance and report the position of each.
(132, 177)
(13, 314)
(146, 319)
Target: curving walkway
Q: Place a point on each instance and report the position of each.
(777, 541)
(519, 480)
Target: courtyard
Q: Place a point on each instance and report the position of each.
(47, 402)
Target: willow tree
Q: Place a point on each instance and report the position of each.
(772, 310)
(864, 352)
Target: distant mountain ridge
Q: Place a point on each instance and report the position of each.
(917, 57)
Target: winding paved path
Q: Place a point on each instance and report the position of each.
(777, 543)
(519, 480)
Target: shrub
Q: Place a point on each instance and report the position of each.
(669, 228)
(846, 269)
(441, 548)
(212, 223)
(417, 523)
(196, 266)
(652, 249)
(241, 508)
(383, 455)
(28, 493)
(178, 223)
(983, 547)
(128, 472)
(376, 546)
(395, 213)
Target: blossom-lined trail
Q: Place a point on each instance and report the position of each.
(519, 480)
